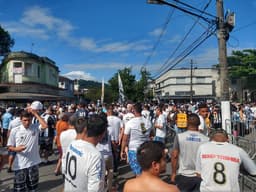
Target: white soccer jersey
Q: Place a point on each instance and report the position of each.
(138, 129)
(84, 169)
(28, 137)
(146, 114)
(66, 137)
(160, 120)
(187, 144)
(127, 117)
(219, 163)
(114, 126)
(14, 123)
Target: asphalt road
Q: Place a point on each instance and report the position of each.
(51, 183)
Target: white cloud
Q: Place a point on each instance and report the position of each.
(156, 32)
(23, 30)
(207, 58)
(40, 23)
(175, 39)
(90, 66)
(79, 75)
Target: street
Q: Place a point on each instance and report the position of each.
(49, 182)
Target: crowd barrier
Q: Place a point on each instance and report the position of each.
(243, 134)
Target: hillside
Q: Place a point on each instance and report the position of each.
(84, 84)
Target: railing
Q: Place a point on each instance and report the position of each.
(243, 134)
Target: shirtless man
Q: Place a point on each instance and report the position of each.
(152, 159)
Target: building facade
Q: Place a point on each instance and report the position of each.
(188, 85)
(26, 76)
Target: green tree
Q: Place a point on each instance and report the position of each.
(242, 63)
(143, 92)
(129, 84)
(6, 42)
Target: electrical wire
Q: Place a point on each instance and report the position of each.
(182, 41)
(187, 11)
(189, 49)
(159, 37)
(194, 8)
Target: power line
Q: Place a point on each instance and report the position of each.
(194, 8)
(187, 11)
(245, 26)
(189, 49)
(159, 37)
(182, 41)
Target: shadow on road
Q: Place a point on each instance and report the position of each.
(46, 185)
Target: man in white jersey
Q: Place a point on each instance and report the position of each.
(66, 137)
(183, 157)
(115, 130)
(203, 113)
(84, 164)
(218, 163)
(160, 125)
(145, 112)
(24, 141)
(129, 114)
(136, 132)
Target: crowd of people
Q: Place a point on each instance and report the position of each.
(92, 140)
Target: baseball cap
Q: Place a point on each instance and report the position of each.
(36, 105)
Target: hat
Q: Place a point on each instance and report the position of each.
(36, 105)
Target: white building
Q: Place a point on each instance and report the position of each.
(176, 84)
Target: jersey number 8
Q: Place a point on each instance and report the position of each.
(219, 174)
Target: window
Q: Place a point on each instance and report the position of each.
(28, 69)
(38, 72)
(180, 80)
(200, 80)
(17, 64)
(52, 75)
(17, 67)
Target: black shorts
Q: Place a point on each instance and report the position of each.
(188, 184)
(26, 179)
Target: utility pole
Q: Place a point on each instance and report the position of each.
(222, 37)
(191, 81)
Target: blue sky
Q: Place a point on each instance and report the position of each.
(93, 39)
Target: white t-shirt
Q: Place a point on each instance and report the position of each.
(187, 144)
(85, 168)
(138, 129)
(28, 137)
(66, 137)
(105, 146)
(127, 117)
(160, 120)
(146, 114)
(14, 123)
(202, 127)
(219, 163)
(114, 126)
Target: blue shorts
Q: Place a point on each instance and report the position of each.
(132, 156)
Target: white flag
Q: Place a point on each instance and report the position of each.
(102, 91)
(121, 90)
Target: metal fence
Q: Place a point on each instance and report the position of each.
(243, 134)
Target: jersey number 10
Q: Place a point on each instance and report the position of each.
(71, 161)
